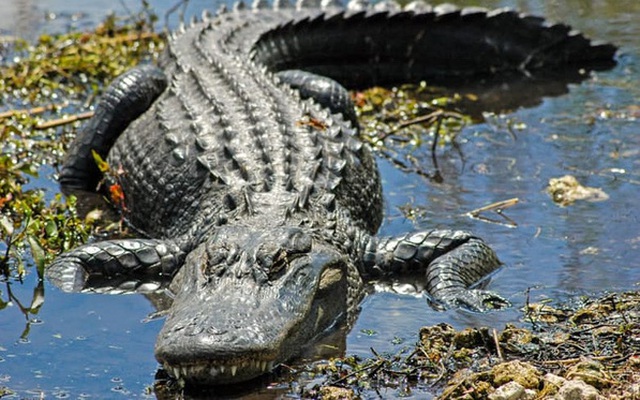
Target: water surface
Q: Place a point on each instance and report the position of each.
(98, 346)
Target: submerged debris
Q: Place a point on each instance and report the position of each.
(566, 190)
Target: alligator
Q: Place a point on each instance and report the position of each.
(253, 197)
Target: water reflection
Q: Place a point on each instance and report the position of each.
(18, 17)
(20, 302)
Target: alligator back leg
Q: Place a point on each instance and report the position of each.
(125, 99)
(451, 262)
(325, 91)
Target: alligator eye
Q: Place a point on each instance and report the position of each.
(280, 262)
(330, 277)
(278, 265)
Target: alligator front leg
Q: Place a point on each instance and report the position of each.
(116, 266)
(452, 261)
(124, 100)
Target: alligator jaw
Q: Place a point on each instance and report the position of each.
(220, 373)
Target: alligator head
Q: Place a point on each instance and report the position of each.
(247, 300)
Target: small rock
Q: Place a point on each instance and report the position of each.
(437, 339)
(591, 372)
(470, 338)
(578, 390)
(552, 383)
(521, 372)
(566, 189)
(336, 393)
(510, 391)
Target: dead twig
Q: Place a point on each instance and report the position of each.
(497, 343)
(577, 359)
(498, 207)
(64, 120)
(345, 378)
(30, 111)
(131, 38)
(429, 119)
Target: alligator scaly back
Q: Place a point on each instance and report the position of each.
(243, 169)
(223, 105)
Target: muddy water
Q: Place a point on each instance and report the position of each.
(98, 346)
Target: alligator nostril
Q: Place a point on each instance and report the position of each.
(193, 330)
(212, 330)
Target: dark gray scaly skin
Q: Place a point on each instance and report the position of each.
(258, 202)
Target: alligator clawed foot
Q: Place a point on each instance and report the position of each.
(482, 300)
(476, 300)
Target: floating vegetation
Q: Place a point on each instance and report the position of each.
(398, 121)
(566, 190)
(44, 89)
(78, 63)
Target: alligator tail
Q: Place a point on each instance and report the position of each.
(445, 43)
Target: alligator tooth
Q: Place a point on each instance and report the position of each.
(386, 5)
(234, 369)
(418, 6)
(222, 368)
(176, 372)
(270, 365)
(279, 4)
(357, 5)
(445, 8)
(148, 287)
(213, 371)
(263, 366)
(499, 12)
(473, 11)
